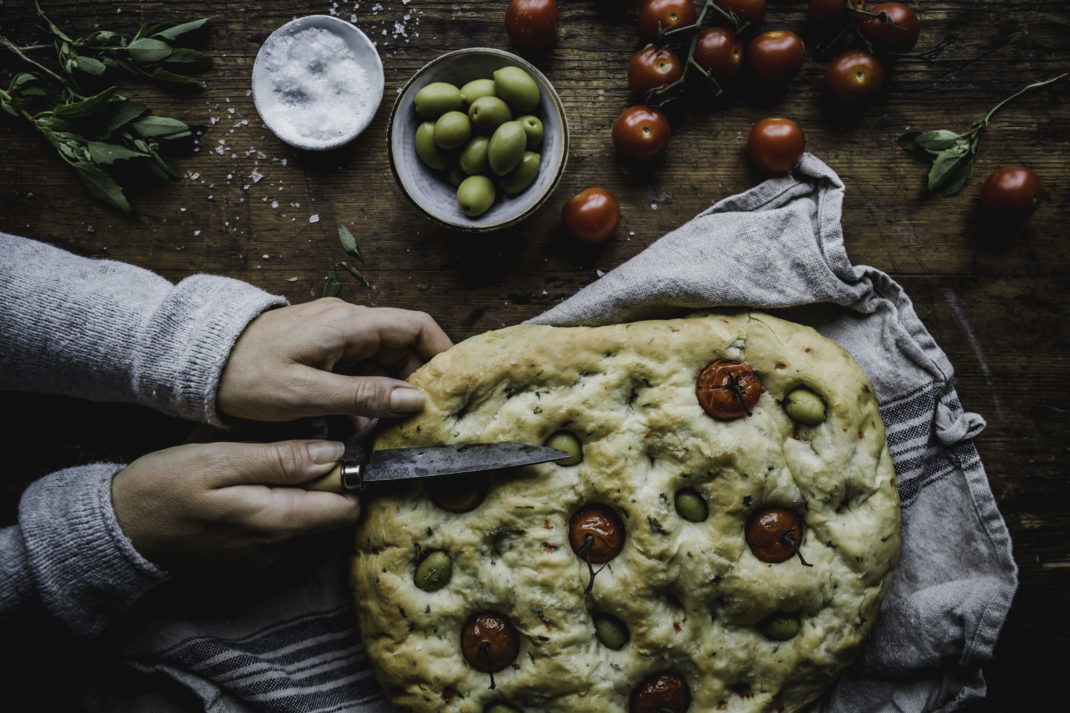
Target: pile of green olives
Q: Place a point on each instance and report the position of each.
(483, 136)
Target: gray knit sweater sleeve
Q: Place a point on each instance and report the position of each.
(106, 331)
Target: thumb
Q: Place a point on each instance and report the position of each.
(282, 463)
(376, 396)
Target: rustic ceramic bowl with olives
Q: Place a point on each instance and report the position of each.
(434, 191)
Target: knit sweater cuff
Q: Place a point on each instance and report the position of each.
(83, 567)
(184, 346)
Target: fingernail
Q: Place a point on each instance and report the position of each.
(324, 452)
(405, 400)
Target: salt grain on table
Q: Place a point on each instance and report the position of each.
(319, 91)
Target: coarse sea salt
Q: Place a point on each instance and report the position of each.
(317, 89)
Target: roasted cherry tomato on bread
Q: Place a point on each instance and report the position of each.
(776, 144)
(596, 533)
(489, 642)
(664, 15)
(592, 215)
(774, 534)
(660, 693)
(641, 133)
(1010, 193)
(532, 24)
(719, 52)
(728, 389)
(898, 37)
(775, 57)
(651, 67)
(854, 76)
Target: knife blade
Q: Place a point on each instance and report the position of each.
(394, 464)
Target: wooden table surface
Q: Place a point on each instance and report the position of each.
(995, 303)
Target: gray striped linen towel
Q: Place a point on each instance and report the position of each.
(285, 640)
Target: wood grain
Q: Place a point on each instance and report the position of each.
(996, 303)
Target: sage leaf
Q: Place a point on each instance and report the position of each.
(91, 66)
(176, 31)
(122, 114)
(189, 60)
(936, 141)
(89, 106)
(168, 77)
(154, 126)
(333, 286)
(355, 273)
(146, 50)
(102, 186)
(349, 243)
(107, 154)
(948, 163)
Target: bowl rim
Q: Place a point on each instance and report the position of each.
(344, 27)
(556, 100)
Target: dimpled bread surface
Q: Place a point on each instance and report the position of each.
(691, 594)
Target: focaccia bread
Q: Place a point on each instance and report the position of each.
(725, 562)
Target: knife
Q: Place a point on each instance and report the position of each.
(356, 472)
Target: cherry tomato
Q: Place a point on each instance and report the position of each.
(660, 692)
(489, 642)
(728, 389)
(776, 144)
(889, 37)
(532, 24)
(667, 13)
(854, 76)
(751, 11)
(833, 12)
(775, 57)
(1010, 193)
(651, 67)
(719, 52)
(773, 534)
(641, 133)
(603, 526)
(591, 216)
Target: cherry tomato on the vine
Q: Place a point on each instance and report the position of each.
(666, 13)
(651, 67)
(853, 77)
(775, 144)
(888, 37)
(752, 11)
(641, 133)
(532, 24)
(1010, 193)
(775, 57)
(719, 52)
(592, 215)
(833, 12)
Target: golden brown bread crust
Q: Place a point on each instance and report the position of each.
(690, 593)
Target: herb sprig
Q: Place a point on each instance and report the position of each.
(952, 154)
(349, 244)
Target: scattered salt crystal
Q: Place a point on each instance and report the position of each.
(256, 176)
(196, 233)
(274, 204)
(315, 218)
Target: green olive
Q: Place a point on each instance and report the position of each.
(691, 506)
(500, 708)
(533, 128)
(434, 571)
(567, 442)
(475, 195)
(517, 88)
(456, 176)
(516, 181)
(452, 130)
(805, 406)
(436, 99)
(477, 88)
(611, 631)
(779, 627)
(506, 149)
(427, 149)
(473, 158)
(488, 113)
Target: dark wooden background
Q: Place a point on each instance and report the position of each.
(996, 301)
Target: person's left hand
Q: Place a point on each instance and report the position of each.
(328, 357)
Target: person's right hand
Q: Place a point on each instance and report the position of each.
(223, 501)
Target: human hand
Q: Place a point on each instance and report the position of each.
(196, 503)
(328, 357)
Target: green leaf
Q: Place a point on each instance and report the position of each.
(123, 113)
(101, 152)
(163, 75)
(948, 164)
(355, 273)
(89, 106)
(176, 31)
(91, 66)
(936, 141)
(147, 50)
(153, 126)
(189, 60)
(51, 26)
(102, 186)
(333, 286)
(909, 143)
(349, 243)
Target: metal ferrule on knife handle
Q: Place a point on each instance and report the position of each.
(346, 477)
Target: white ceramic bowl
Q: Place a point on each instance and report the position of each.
(428, 190)
(329, 124)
